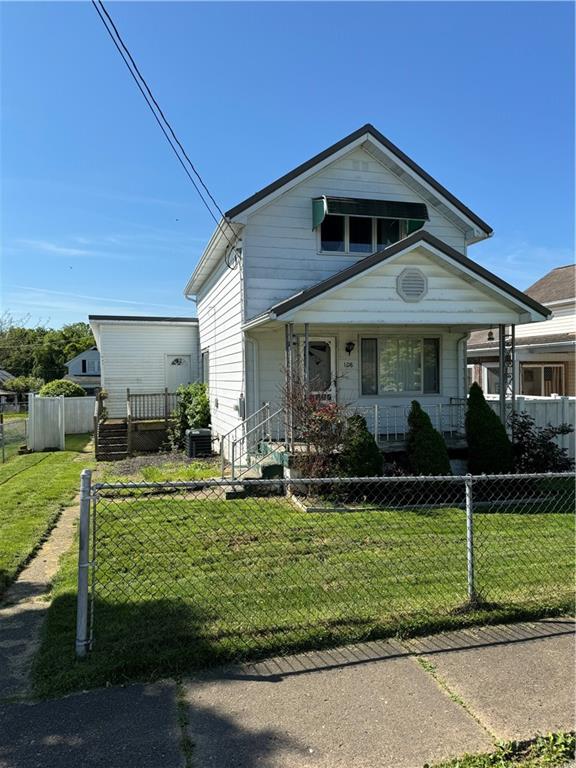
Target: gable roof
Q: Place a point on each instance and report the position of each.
(558, 285)
(352, 137)
(422, 236)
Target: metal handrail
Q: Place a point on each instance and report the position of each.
(261, 427)
(225, 438)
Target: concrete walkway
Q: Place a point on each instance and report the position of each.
(24, 605)
(376, 705)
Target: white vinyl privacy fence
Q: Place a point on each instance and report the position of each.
(50, 419)
(546, 411)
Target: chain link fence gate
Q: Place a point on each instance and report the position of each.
(233, 570)
(13, 435)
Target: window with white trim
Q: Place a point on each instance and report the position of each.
(399, 364)
(205, 366)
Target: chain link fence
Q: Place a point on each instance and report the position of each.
(13, 435)
(229, 570)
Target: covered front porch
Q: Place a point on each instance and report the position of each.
(373, 370)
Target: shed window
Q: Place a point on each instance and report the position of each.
(398, 364)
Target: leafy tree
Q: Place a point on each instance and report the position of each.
(426, 449)
(534, 447)
(360, 456)
(62, 387)
(23, 384)
(489, 448)
(40, 351)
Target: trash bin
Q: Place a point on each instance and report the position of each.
(198, 443)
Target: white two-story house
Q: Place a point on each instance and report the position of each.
(355, 267)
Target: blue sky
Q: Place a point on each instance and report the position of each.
(97, 215)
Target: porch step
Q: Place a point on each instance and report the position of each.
(111, 455)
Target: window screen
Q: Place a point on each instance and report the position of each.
(360, 234)
(332, 233)
(369, 365)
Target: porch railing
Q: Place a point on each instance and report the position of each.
(153, 406)
(389, 423)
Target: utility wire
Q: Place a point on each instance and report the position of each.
(153, 106)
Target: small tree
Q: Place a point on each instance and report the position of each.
(489, 448)
(60, 387)
(534, 447)
(192, 411)
(426, 449)
(21, 385)
(360, 455)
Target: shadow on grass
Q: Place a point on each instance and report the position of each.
(168, 638)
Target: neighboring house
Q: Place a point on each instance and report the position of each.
(545, 353)
(146, 355)
(84, 369)
(354, 266)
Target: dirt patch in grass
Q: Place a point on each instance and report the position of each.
(158, 467)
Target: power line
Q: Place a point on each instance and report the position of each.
(162, 121)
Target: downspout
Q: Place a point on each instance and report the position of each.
(462, 358)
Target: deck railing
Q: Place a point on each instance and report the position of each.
(151, 406)
(389, 423)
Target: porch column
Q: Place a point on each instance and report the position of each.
(306, 356)
(507, 371)
(289, 364)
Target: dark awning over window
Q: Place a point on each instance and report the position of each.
(355, 206)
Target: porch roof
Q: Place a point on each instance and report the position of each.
(527, 308)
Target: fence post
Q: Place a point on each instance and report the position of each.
(82, 639)
(470, 539)
(166, 407)
(2, 437)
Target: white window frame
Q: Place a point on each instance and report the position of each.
(406, 393)
(485, 367)
(347, 251)
(525, 365)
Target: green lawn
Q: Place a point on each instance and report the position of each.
(554, 749)
(183, 583)
(9, 416)
(33, 490)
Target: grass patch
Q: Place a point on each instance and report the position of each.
(185, 583)
(33, 490)
(12, 416)
(555, 749)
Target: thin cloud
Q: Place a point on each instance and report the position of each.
(44, 294)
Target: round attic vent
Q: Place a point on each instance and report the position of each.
(411, 284)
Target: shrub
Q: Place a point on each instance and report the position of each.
(23, 384)
(489, 448)
(360, 455)
(60, 387)
(192, 411)
(426, 449)
(534, 447)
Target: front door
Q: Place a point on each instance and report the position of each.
(321, 367)
(178, 371)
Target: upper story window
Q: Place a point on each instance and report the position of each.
(350, 225)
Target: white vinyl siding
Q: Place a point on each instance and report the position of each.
(373, 297)
(281, 251)
(220, 315)
(133, 356)
(563, 320)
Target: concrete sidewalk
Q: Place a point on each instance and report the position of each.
(387, 704)
(376, 705)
